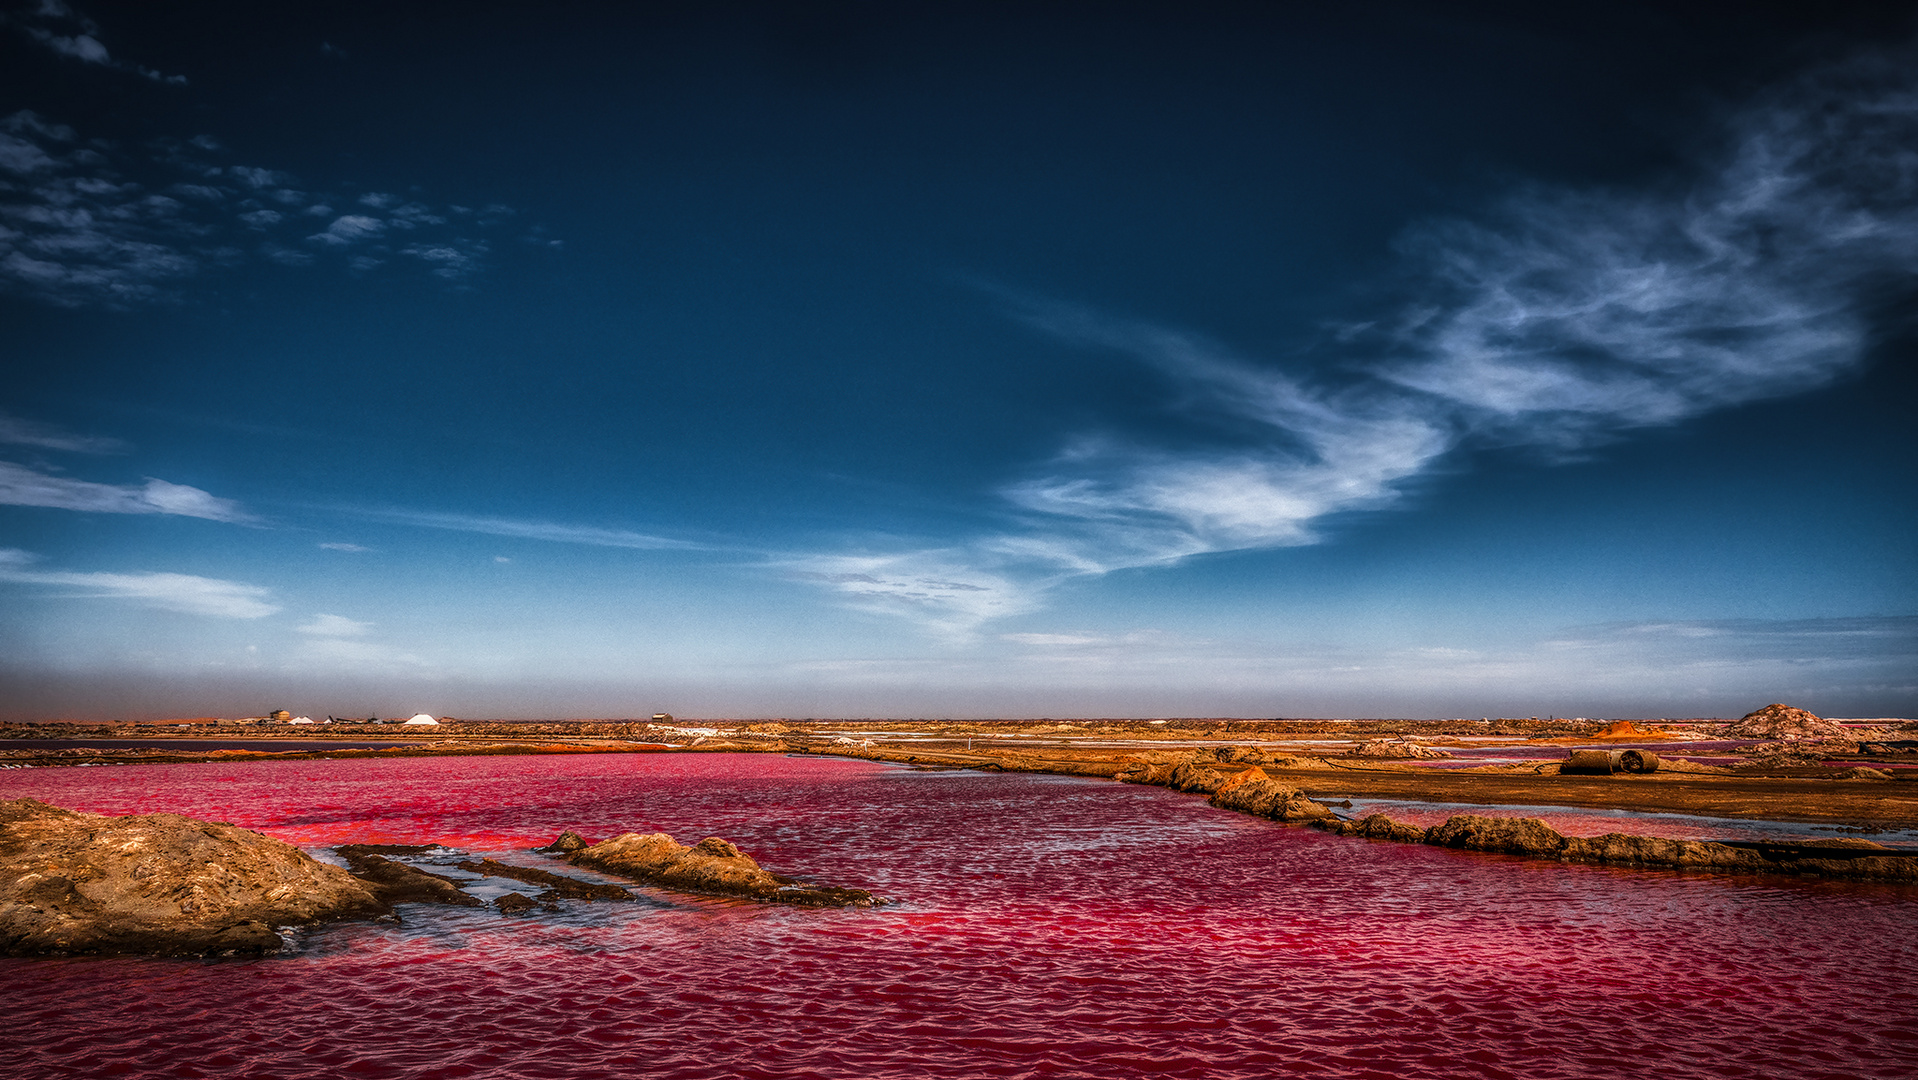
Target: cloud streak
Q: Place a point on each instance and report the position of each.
(21, 486)
(186, 593)
(1558, 320)
(17, 431)
(555, 532)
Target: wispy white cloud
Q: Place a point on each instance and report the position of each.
(1571, 315)
(19, 431)
(1558, 320)
(339, 545)
(22, 486)
(1055, 640)
(349, 229)
(556, 532)
(948, 591)
(337, 626)
(172, 592)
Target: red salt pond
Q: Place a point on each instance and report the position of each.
(1047, 927)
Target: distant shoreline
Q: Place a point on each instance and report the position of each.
(1310, 754)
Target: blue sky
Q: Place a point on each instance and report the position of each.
(921, 360)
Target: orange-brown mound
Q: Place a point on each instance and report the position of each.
(1625, 729)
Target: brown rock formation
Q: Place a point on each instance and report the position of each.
(157, 883)
(714, 867)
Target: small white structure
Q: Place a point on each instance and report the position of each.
(423, 719)
(301, 720)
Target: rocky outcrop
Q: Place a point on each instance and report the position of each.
(1253, 792)
(713, 867)
(1375, 827)
(1154, 769)
(1780, 721)
(162, 884)
(1507, 836)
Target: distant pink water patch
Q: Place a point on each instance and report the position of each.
(1047, 927)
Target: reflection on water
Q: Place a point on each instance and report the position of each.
(1047, 927)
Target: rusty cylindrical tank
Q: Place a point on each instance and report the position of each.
(1638, 761)
(1592, 762)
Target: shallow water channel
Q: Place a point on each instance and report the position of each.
(1045, 926)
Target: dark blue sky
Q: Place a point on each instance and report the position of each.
(875, 359)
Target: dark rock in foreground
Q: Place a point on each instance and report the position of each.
(398, 883)
(714, 867)
(160, 884)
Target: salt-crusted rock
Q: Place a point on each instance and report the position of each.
(73, 882)
(714, 866)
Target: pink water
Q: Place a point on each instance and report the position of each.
(1047, 927)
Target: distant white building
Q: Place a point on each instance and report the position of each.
(301, 720)
(423, 719)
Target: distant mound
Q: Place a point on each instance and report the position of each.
(1395, 748)
(1777, 721)
(1625, 729)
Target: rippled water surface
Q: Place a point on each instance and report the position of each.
(1046, 927)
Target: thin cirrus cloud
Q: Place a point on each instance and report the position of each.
(186, 593)
(556, 532)
(87, 222)
(951, 592)
(1560, 320)
(22, 486)
(335, 626)
(19, 431)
